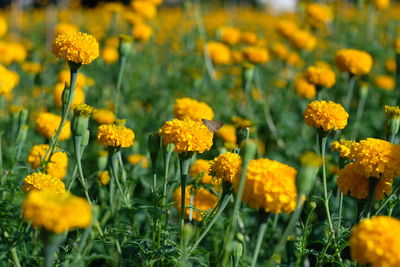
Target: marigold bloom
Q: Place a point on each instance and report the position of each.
(57, 212)
(115, 136)
(8, 80)
(63, 27)
(79, 97)
(376, 241)
(256, 55)
(280, 50)
(303, 40)
(227, 167)
(286, 27)
(104, 177)
(136, 159)
(203, 202)
(392, 112)
(110, 55)
(326, 115)
(187, 108)
(385, 82)
(352, 181)
(187, 135)
(32, 67)
(142, 32)
(47, 124)
(57, 165)
(12, 52)
(3, 26)
(76, 47)
(248, 38)
(305, 89)
(104, 116)
(144, 8)
(270, 185)
(219, 53)
(229, 35)
(353, 61)
(227, 133)
(345, 148)
(199, 169)
(320, 76)
(318, 14)
(39, 181)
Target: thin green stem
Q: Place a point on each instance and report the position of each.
(14, 257)
(184, 162)
(350, 89)
(340, 213)
(78, 158)
(122, 65)
(260, 237)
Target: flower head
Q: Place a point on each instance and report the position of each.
(270, 185)
(142, 32)
(56, 212)
(318, 14)
(115, 136)
(62, 28)
(303, 40)
(229, 35)
(227, 133)
(385, 82)
(305, 89)
(376, 241)
(326, 115)
(199, 169)
(256, 55)
(136, 159)
(104, 177)
(47, 124)
(227, 167)
(187, 108)
(382, 4)
(84, 110)
(8, 80)
(320, 76)
(345, 148)
(56, 166)
(104, 116)
(219, 53)
(392, 112)
(353, 61)
(187, 135)
(76, 47)
(39, 181)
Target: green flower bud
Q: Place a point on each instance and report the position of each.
(22, 134)
(79, 125)
(238, 249)
(187, 233)
(102, 160)
(23, 116)
(248, 150)
(310, 162)
(392, 122)
(125, 45)
(85, 139)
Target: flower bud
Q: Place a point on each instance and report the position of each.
(85, 138)
(102, 160)
(248, 150)
(392, 122)
(310, 162)
(22, 134)
(187, 233)
(125, 45)
(238, 249)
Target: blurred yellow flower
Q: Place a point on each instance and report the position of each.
(32, 67)
(8, 80)
(187, 108)
(104, 177)
(280, 50)
(227, 133)
(248, 38)
(392, 112)
(318, 14)
(385, 82)
(104, 116)
(39, 181)
(144, 8)
(229, 35)
(303, 40)
(219, 53)
(305, 89)
(356, 62)
(390, 65)
(382, 4)
(326, 115)
(63, 27)
(142, 32)
(79, 97)
(115, 136)
(136, 159)
(3, 26)
(256, 55)
(47, 124)
(320, 76)
(110, 55)
(12, 52)
(199, 169)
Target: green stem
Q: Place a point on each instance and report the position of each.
(184, 162)
(260, 236)
(340, 213)
(373, 182)
(15, 258)
(78, 158)
(167, 158)
(350, 90)
(122, 65)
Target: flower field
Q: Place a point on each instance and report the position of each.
(200, 134)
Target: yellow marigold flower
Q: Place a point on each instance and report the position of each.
(47, 124)
(390, 65)
(226, 166)
(139, 159)
(286, 27)
(305, 89)
(144, 8)
(280, 50)
(76, 47)
(352, 181)
(203, 202)
(187, 135)
(219, 53)
(104, 116)
(248, 38)
(382, 4)
(8, 80)
(39, 181)
(229, 35)
(57, 212)
(132, 18)
(32, 67)
(63, 28)
(294, 59)
(110, 55)
(303, 40)
(256, 55)
(345, 148)
(84, 110)
(227, 133)
(270, 185)
(320, 76)
(3, 26)
(187, 108)
(385, 82)
(376, 241)
(326, 115)
(56, 166)
(104, 177)
(379, 158)
(318, 14)
(115, 136)
(142, 32)
(199, 169)
(392, 112)
(79, 97)
(353, 61)
(12, 52)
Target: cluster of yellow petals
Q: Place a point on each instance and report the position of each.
(104, 116)
(318, 14)
(227, 167)
(187, 108)
(199, 169)
(142, 32)
(392, 112)
(376, 241)
(303, 40)
(57, 212)
(286, 27)
(320, 76)
(203, 202)
(344, 147)
(385, 82)
(227, 133)
(305, 89)
(56, 166)
(47, 124)
(187, 135)
(64, 27)
(32, 67)
(78, 47)
(3, 26)
(8, 80)
(229, 35)
(326, 115)
(115, 135)
(104, 177)
(270, 185)
(12, 52)
(136, 159)
(354, 61)
(382, 4)
(39, 181)
(352, 181)
(145, 9)
(219, 53)
(256, 55)
(110, 55)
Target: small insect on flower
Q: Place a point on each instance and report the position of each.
(212, 125)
